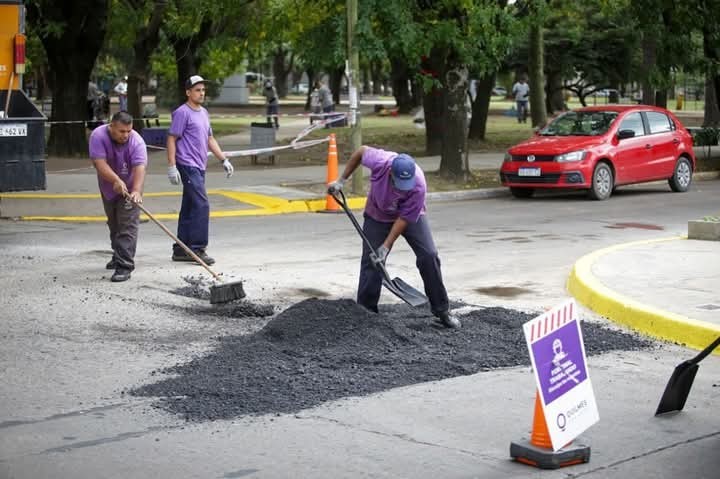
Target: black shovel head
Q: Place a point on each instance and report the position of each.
(404, 291)
(678, 388)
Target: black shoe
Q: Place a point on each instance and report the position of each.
(204, 256)
(448, 320)
(120, 275)
(111, 264)
(181, 256)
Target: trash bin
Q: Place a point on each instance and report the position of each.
(262, 135)
(22, 144)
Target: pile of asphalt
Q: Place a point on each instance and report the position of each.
(321, 350)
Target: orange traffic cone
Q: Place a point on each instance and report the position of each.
(331, 205)
(538, 451)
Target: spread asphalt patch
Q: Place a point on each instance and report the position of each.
(321, 350)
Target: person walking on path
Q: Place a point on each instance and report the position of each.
(521, 90)
(189, 138)
(119, 155)
(326, 100)
(121, 90)
(396, 206)
(271, 102)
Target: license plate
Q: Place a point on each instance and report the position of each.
(529, 172)
(13, 129)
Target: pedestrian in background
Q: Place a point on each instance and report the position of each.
(121, 90)
(271, 103)
(326, 100)
(521, 90)
(315, 106)
(395, 206)
(189, 138)
(119, 155)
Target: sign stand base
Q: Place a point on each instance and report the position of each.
(544, 458)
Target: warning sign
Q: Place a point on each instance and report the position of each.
(557, 353)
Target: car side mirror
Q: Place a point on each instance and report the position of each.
(622, 134)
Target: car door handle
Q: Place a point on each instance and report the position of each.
(676, 141)
(648, 146)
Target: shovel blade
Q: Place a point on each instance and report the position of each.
(678, 388)
(404, 291)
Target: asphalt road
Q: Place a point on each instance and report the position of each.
(72, 343)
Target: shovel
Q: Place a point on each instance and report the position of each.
(679, 384)
(396, 286)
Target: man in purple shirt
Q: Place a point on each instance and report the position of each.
(396, 206)
(119, 155)
(189, 139)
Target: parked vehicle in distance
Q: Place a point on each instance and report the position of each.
(599, 148)
(499, 91)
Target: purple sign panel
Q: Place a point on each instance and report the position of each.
(559, 361)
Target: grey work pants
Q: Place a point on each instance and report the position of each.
(420, 239)
(123, 223)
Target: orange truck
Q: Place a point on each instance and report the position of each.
(22, 125)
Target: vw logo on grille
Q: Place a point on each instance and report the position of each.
(531, 158)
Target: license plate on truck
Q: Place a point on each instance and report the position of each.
(13, 129)
(528, 171)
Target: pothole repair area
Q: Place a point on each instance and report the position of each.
(322, 350)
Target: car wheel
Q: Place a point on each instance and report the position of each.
(602, 182)
(522, 192)
(682, 177)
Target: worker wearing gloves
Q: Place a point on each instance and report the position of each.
(396, 206)
(189, 138)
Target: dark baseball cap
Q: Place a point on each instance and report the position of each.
(403, 172)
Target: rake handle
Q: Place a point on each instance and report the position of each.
(177, 240)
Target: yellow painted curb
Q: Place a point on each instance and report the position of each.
(589, 291)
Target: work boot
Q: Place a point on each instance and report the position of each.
(448, 320)
(120, 275)
(181, 256)
(111, 264)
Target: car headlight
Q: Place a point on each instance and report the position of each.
(571, 157)
(508, 157)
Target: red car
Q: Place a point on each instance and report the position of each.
(599, 148)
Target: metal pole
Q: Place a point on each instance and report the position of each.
(352, 70)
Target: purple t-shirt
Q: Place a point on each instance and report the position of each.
(384, 202)
(121, 157)
(191, 128)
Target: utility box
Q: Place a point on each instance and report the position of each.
(262, 135)
(155, 136)
(22, 144)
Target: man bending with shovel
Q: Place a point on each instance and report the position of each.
(396, 206)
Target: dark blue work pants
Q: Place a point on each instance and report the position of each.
(420, 239)
(194, 217)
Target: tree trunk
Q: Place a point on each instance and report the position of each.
(71, 56)
(147, 38)
(434, 104)
(282, 66)
(454, 141)
(649, 49)
(481, 107)
(310, 72)
(186, 58)
(538, 114)
(376, 73)
(366, 81)
(661, 98)
(399, 76)
(712, 111)
(554, 94)
(336, 77)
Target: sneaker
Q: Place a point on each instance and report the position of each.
(120, 275)
(448, 320)
(111, 264)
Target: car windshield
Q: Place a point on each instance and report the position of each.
(580, 123)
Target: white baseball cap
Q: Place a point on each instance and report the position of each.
(194, 80)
